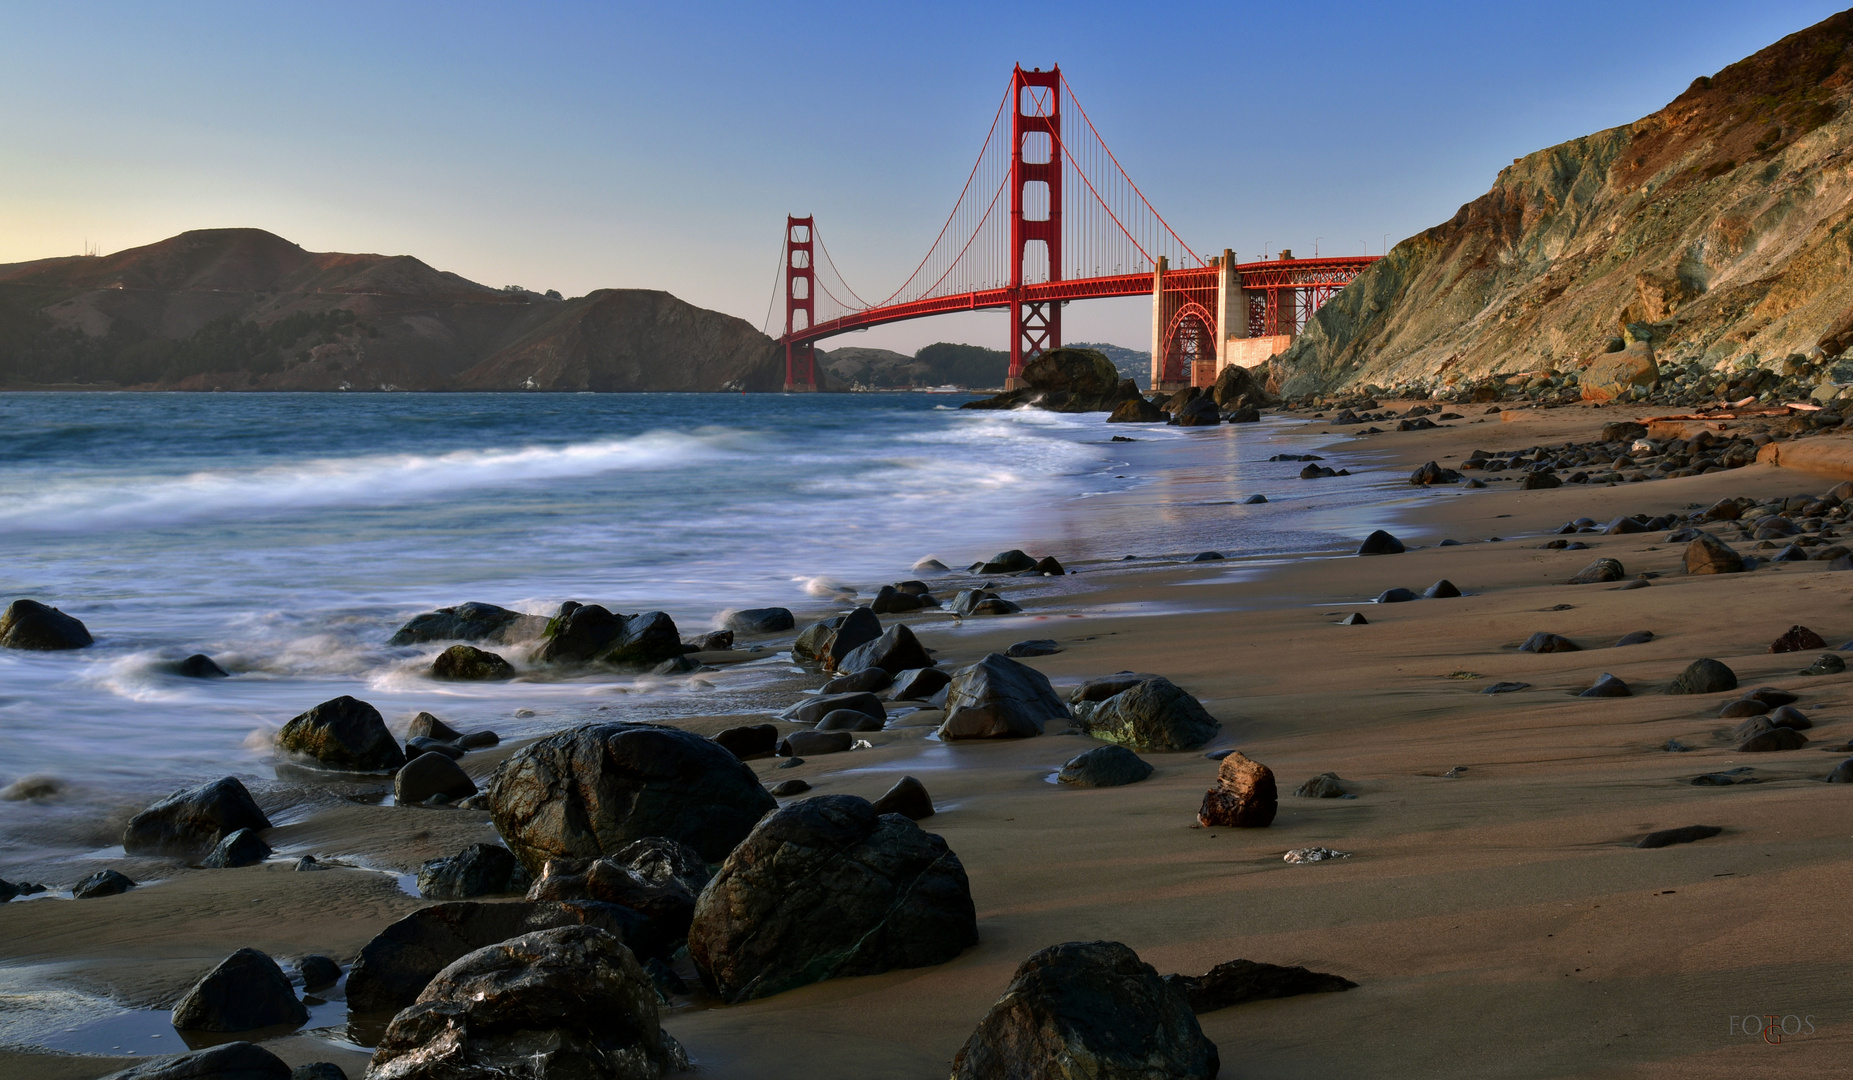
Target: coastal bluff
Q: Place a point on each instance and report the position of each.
(244, 309)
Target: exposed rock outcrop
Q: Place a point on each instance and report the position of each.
(1066, 380)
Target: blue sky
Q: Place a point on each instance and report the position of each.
(580, 145)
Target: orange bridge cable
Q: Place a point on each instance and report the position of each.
(968, 243)
(778, 273)
(1122, 170)
(1090, 183)
(982, 152)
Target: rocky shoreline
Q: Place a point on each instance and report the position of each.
(772, 894)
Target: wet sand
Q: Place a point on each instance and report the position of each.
(1498, 923)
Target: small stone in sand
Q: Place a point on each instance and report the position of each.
(1599, 571)
(1313, 854)
(1354, 619)
(309, 862)
(931, 566)
(1324, 786)
(1608, 686)
(1396, 596)
(1774, 740)
(102, 883)
(1638, 637)
(1506, 687)
(1207, 556)
(1842, 774)
(1441, 590)
(1542, 642)
(789, 763)
(1109, 766)
(1674, 746)
(750, 740)
(1381, 543)
(1797, 639)
(318, 971)
(908, 798)
(1033, 647)
(1825, 664)
(431, 774)
(1737, 710)
(1255, 500)
(848, 720)
(1725, 779)
(785, 789)
(1685, 835)
(1707, 554)
(1704, 677)
(241, 848)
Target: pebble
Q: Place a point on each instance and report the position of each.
(1506, 687)
(1354, 619)
(1313, 854)
(1684, 835)
(787, 788)
(1608, 686)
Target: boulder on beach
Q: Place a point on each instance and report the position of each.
(1797, 639)
(1104, 766)
(1327, 785)
(749, 741)
(477, 870)
(815, 743)
(1237, 982)
(418, 744)
(246, 991)
(1441, 590)
(593, 790)
(1380, 543)
(1197, 412)
(1013, 561)
(712, 641)
(227, 1061)
(866, 681)
(1704, 677)
(318, 972)
(765, 620)
(813, 638)
(198, 666)
(427, 726)
(589, 633)
(1152, 715)
(1033, 647)
(345, 733)
(1396, 596)
(30, 625)
(467, 663)
(468, 622)
(1542, 642)
(1607, 686)
(394, 967)
(1244, 796)
(1599, 571)
(193, 821)
(431, 774)
(1707, 554)
(1137, 410)
(1065, 380)
(896, 650)
(918, 684)
(824, 888)
(857, 629)
(102, 883)
(811, 710)
(892, 601)
(569, 1002)
(655, 877)
(849, 720)
(999, 698)
(982, 602)
(241, 848)
(1088, 1009)
(908, 798)
(1103, 687)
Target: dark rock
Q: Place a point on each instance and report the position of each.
(569, 1003)
(1207, 556)
(800, 743)
(1007, 562)
(1737, 710)
(1441, 590)
(811, 642)
(428, 775)
(858, 628)
(1238, 982)
(1047, 566)
(1244, 415)
(1826, 664)
(227, 1061)
(750, 741)
(785, 789)
(1707, 554)
(465, 622)
(1254, 500)
(1704, 677)
(1773, 697)
(1728, 778)
(592, 790)
(1623, 526)
(1104, 687)
(1797, 639)
(1638, 637)
(467, 663)
(1197, 412)
(426, 726)
(908, 798)
(345, 733)
(1842, 774)
(241, 848)
(1324, 786)
(246, 991)
(1539, 479)
(1244, 795)
(1608, 686)
(892, 601)
(1354, 619)
(849, 720)
(1790, 554)
(999, 698)
(318, 972)
(789, 763)
(198, 666)
(811, 710)
(1789, 716)
(418, 746)
(477, 870)
(1542, 642)
(1088, 1009)
(102, 883)
(826, 887)
(394, 967)
(675, 665)
(896, 650)
(1685, 835)
(918, 684)
(28, 624)
(479, 740)
(1506, 688)
(1598, 571)
(713, 641)
(1137, 410)
(765, 620)
(1033, 647)
(656, 878)
(1152, 715)
(1396, 596)
(1104, 766)
(1433, 473)
(982, 602)
(1775, 739)
(192, 822)
(1380, 543)
(589, 633)
(318, 1070)
(866, 681)
(1756, 725)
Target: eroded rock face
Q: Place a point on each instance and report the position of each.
(345, 733)
(192, 822)
(245, 992)
(999, 698)
(1088, 1010)
(30, 625)
(393, 968)
(571, 1002)
(1610, 375)
(657, 878)
(594, 790)
(1066, 380)
(824, 888)
(477, 870)
(1153, 715)
(1244, 796)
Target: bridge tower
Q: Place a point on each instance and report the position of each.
(1035, 158)
(800, 304)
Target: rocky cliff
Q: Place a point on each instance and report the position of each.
(242, 309)
(1723, 220)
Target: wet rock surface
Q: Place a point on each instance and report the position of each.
(466, 622)
(345, 733)
(1152, 715)
(477, 870)
(227, 1061)
(192, 822)
(1105, 766)
(1237, 982)
(36, 627)
(999, 698)
(246, 991)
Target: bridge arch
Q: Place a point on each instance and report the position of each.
(1190, 345)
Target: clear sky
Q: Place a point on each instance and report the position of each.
(583, 145)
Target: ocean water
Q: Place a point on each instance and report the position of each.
(287, 536)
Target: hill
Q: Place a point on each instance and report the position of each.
(243, 309)
(1722, 220)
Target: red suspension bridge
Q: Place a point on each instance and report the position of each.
(1016, 240)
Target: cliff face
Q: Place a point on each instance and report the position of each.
(1725, 219)
(242, 309)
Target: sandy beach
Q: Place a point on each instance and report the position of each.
(1498, 921)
